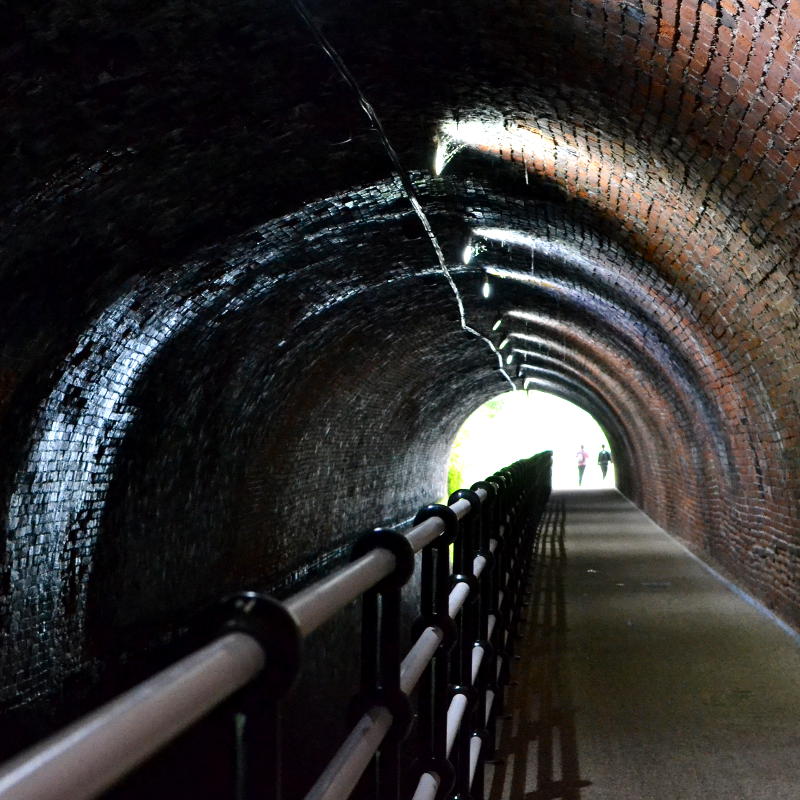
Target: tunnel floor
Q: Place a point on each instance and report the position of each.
(643, 675)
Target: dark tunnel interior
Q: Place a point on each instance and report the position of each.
(229, 346)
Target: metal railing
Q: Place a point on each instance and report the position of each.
(475, 556)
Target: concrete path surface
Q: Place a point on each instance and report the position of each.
(641, 675)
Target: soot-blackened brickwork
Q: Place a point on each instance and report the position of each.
(227, 346)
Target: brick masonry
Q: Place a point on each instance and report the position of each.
(226, 344)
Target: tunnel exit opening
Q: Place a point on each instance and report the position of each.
(515, 425)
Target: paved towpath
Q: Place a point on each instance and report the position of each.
(643, 676)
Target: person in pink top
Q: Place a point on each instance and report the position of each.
(583, 457)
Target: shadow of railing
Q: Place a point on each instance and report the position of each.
(538, 750)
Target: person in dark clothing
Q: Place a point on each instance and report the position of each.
(604, 459)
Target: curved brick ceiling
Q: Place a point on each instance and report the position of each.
(226, 336)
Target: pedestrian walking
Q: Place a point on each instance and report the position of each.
(604, 459)
(583, 457)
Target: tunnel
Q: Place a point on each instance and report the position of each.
(261, 260)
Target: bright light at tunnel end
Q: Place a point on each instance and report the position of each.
(517, 425)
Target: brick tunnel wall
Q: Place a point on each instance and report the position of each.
(228, 346)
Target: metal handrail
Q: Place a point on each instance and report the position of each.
(344, 771)
(315, 605)
(339, 781)
(93, 753)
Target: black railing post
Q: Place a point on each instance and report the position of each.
(492, 669)
(516, 522)
(485, 680)
(381, 656)
(502, 560)
(434, 692)
(468, 633)
(257, 708)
